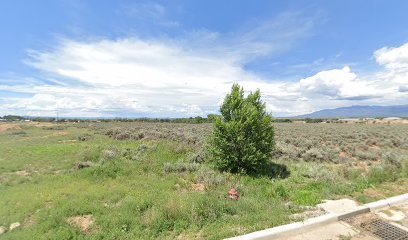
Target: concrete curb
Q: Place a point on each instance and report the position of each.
(299, 227)
(284, 230)
(353, 213)
(387, 202)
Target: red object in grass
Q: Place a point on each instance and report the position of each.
(233, 194)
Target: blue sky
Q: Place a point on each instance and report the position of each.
(179, 58)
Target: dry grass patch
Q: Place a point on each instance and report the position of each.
(5, 126)
(22, 173)
(198, 187)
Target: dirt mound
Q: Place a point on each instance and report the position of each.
(83, 222)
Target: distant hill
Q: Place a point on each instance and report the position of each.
(360, 111)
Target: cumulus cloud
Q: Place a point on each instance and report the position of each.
(134, 77)
(393, 58)
(338, 84)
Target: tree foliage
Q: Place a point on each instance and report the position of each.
(243, 138)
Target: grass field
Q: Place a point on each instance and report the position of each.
(152, 180)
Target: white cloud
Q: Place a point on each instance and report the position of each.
(165, 77)
(393, 58)
(338, 84)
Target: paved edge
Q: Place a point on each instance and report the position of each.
(387, 202)
(299, 227)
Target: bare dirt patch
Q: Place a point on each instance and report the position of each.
(22, 173)
(83, 222)
(198, 187)
(307, 214)
(29, 221)
(357, 221)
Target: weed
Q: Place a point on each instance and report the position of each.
(210, 177)
(181, 166)
(381, 173)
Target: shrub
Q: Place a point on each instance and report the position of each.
(313, 154)
(135, 154)
(208, 208)
(392, 159)
(370, 155)
(81, 165)
(85, 137)
(123, 136)
(319, 173)
(243, 139)
(286, 151)
(210, 178)
(382, 173)
(91, 154)
(109, 154)
(198, 157)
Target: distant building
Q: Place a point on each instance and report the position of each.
(2, 120)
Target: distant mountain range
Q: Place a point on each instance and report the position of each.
(360, 111)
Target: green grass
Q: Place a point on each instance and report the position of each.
(131, 196)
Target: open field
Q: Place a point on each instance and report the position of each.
(151, 180)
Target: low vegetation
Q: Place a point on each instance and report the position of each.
(159, 184)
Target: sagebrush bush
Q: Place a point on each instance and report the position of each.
(392, 159)
(313, 154)
(382, 173)
(136, 153)
(109, 153)
(199, 156)
(85, 137)
(210, 178)
(91, 154)
(319, 173)
(243, 139)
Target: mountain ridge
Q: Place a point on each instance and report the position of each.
(358, 111)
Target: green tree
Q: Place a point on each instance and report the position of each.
(243, 138)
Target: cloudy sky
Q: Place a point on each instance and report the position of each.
(87, 58)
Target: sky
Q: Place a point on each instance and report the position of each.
(116, 58)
